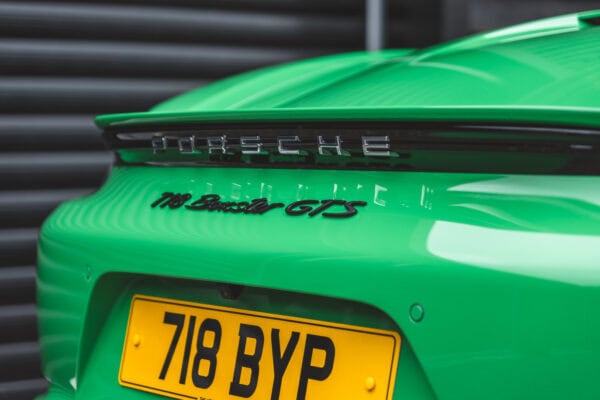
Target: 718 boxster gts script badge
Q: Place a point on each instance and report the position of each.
(212, 202)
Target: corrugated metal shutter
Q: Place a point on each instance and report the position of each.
(61, 63)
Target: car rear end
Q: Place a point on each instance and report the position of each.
(306, 251)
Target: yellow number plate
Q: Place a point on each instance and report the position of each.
(197, 351)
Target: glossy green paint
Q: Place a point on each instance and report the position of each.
(504, 266)
(542, 72)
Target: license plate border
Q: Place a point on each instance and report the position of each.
(252, 313)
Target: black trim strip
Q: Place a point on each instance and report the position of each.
(413, 146)
(486, 128)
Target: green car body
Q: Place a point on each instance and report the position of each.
(479, 243)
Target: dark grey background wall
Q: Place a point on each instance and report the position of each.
(61, 63)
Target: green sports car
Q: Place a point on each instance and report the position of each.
(405, 224)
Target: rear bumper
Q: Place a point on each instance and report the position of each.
(494, 261)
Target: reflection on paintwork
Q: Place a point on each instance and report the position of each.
(463, 70)
(562, 24)
(300, 192)
(378, 195)
(583, 189)
(501, 215)
(236, 190)
(560, 257)
(425, 200)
